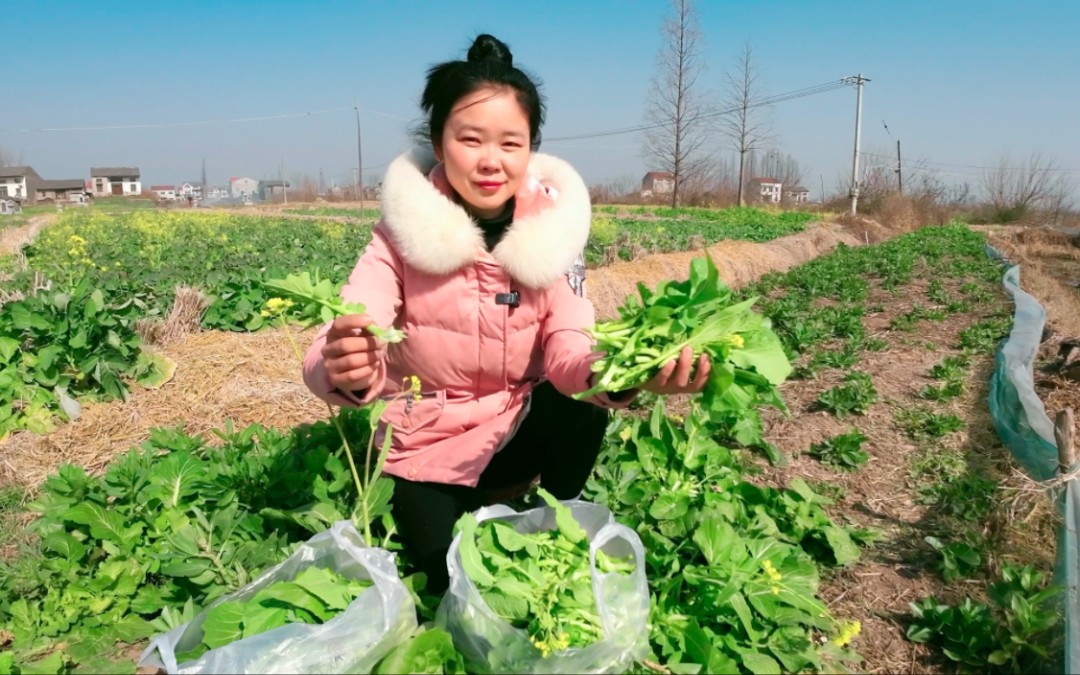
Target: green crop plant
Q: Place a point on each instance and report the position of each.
(843, 451)
(958, 560)
(1015, 633)
(855, 395)
(919, 423)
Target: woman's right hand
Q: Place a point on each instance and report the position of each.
(351, 354)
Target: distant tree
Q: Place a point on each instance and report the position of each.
(1015, 191)
(781, 166)
(745, 122)
(676, 107)
(614, 191)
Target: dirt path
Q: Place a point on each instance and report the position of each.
(12, 240)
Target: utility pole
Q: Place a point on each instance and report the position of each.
(858, 81)
(204, 188)
(899, 169)
(359, 158)
(284, 190)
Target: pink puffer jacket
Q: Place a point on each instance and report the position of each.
(428, 272)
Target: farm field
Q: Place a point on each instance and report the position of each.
(883, 486)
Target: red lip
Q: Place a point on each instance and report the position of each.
(489, 186)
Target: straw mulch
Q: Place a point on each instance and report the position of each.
(248, 378)
(739, 262)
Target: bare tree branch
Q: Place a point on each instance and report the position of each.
(1016, 191)
(747, 125)
(675, 103)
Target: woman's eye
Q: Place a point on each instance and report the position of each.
(470, 140)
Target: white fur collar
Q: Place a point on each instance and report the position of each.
(437, 236)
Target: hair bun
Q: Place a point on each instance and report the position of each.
(490, 47)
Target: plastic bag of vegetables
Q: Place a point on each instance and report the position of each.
(557, 589)
(333, 606)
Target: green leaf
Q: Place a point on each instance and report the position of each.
(223, 624)
(259, 618)
(844, 550)
(23, 319)
(758, 663)
(178, 476)
(104, 524)
(432, 651)
(186, 568)
(155, 369)
(53, 664)
(715, 538)
(293, 595)
(564, 519)
(508, 537)
(326, 586)
(8, 348)
(471, 560)
(132, 629)
(670, 505)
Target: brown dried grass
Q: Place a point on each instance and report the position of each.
(739, 262)
(247, 378)
(14, 239)
(184, 318)
(1041, 252)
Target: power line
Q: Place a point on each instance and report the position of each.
(779, 98)
(973, 166)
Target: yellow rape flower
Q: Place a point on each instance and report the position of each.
(412, 386)
(849, 630)
(736, 341)
(276, 307)
(771, 572)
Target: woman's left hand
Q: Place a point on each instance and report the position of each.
(680, 377)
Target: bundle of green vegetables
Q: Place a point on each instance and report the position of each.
(314, 596)
(539, 582)
(747, 358)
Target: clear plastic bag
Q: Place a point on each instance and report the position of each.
(491, 645)
(379, 619)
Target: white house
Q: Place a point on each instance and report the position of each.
(243, 186)
(657, 183)
(120, 181)
(217, 193)
(19, 182)
(189, 189)
(164, 192)
(767, 189)
(797, 195)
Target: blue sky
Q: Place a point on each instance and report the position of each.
(961, 83)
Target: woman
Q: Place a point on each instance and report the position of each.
(478, 259)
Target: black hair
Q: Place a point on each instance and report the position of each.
(488, 63)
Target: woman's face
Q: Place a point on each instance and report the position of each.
(485, 149)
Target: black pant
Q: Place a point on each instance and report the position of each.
(558, 440)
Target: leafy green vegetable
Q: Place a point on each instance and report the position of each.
(540, 582)
(318, 302)
(748, 361)
(429, 651)
(314, 596)
(843, 451)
